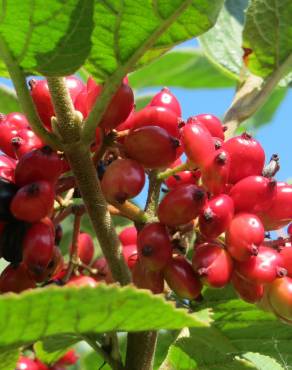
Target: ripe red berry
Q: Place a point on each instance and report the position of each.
(69, 358)
(38, 247)
(7, 134)
(25, 363)
(213, 264)
(247, 157)
(183, 178)
(279, 296)
(216, 171)
(17, 121)
(7, 167)
(216, 216)
(263, 268)
(85, 248)
(289, 229)
(103, 270)
(167, 100)
(197, 143)
(181, 205)
(25, 141)
(253, 194)
(248, 291)
(82, 281)
(156, 116)
(280, 212)
(182, 279)
(212, 124)
(154, 246)
(151, 146)
(243, 236)
(130, 254)
(286, 253)
(15, 279)
(41, 365)
(128, 235)
(32, 202)
(146, 279)
(123, 179)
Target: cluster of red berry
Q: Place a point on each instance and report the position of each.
(27, 363)
(224, 192)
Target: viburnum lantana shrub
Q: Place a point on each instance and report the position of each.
(197, 277)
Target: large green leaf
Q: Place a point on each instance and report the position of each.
(8, 100)
(134, 31)
(188, 68)
(268, 32)
(8, 359)
(43, 313)
(52, 38)
(222, 43)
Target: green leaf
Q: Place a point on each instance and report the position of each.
(51, 38)
(44, 313)
(8, 359)
(53, 348)
(142, 100)
(93, 360)
(263, 362)
(8, 100)
(268, 32)
(131, 31)
(223, 42)
(188, 68)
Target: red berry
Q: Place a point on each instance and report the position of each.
(286, 253)
(181, 205)
(216, 216)
(154, 246)
(32, 202)
(212, 124)
(156, 116)
(40, 365)
(263, 268)
(103, 270)
(85, 249)
(167, 100)
(183, 178)
(39, 164)
(25, 363)
(243, 236)
(17, 120)
(247, 290)
(280, 212)
(7, 134)
(146, 279)
(197, 143)
(82, 281)
(7, 167)
(216, 171)
(15, 279)
(80, 102)
(130, 254)
(151, 146)
(128, 235)
(69, 358)
(253, 194)
(213, 264)
(123, 179)
(25, 141)
(289, 229)
(279, 296)
(182, 279)
(247, 157)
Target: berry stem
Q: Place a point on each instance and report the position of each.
(251, 96)
(131, 211)
(153, 194)
(25, 100)
(172, 171)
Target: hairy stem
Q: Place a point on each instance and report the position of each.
(153, 194)
(25, 100)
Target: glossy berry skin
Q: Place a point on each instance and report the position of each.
(25, 141)
(82, 281)
(247, 157)
(128, 235)
(156, 116)
(244, 235)
(253, 194)
(154, 246)
(69, 358)
(103, 270)
(85, 248)
(7, 192)
(25, 363)
(7, 167)
(38, 246)
(123, 179)
(216, 171)
(263, 268)
(32, 202)
(182, 279)
(213, 264)
(17, 121)
(130, 254)
(289, 229)
(15, 279)
(247, 290)
(279, 296)
(167, 100)
(151, 146)
(183, 178)
(146, 279)
(211, 122)
(216, 216)
(197, 143)
(280, 212)
(181, 205)
(118, 109)
(40, 365)
(286, 253)
(40, 164)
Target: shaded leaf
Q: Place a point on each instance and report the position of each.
(8, 100)
(8, 359)
(263, 362)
